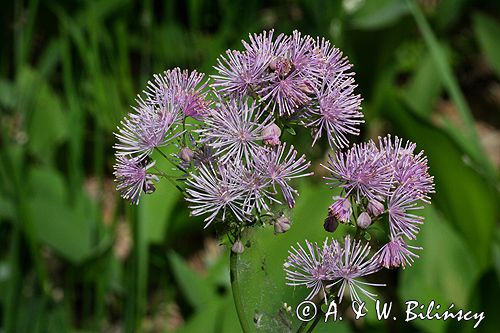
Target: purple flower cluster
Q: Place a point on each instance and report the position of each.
(233, 158)
(296, 78)
(133, 178)
(246, 186)
(153, 124)
(235, 168)
(320, 268)
(388, 178)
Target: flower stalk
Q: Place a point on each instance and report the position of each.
(235, 288)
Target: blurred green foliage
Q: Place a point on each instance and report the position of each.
(76, 258)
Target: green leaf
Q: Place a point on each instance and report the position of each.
(202, 321)
(66, 230)
(46, 122)
(378, 14)
(291, 130)
(7, 94)
(448, 12)
(445, 272)
(155, 210)
(58, 319)
(227, 313)
(7, 209)
(423, 88)
(487, 32)
(47, 182)
(260, 267)
(484, 298)
(496, 253)
(194, 288)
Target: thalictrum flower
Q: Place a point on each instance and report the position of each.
(320, 268)
(257, 188)
(307, 267)
(361, 171)
(245, 72)
(410, 170)
(348, 264)
(184, 89)
(400, 206)
(132, 177)
(375, 207)
(214, 191)
(147, 128)
(364, 220)
(341, 210)
(281, 167)
(294, 70)
(281, 224)
(234, 129)
(397, 253)
(337, 112)
(271, 135)
(331, 61)
(240, 73)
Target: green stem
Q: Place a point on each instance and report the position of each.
(302, 327)
(184, 131)
(170, 161)
(304, 324)
(235, 287)
(169, 178)
(315, 322)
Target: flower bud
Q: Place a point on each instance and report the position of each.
(364, 220)
(341, 210)
(331, 223)
(281, 66)
(375, 207)
(271, 135)
(148, 187)
(186, 154)
(281, 224)
(238, 247)
(273, 63)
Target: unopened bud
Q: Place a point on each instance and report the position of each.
(148, 187)
(186, 154)
(331, 223)
(271, 135)
(281, 224)
(375, 207)
(341, 210)
(281, 66)
(238, 247)
(364, 220)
